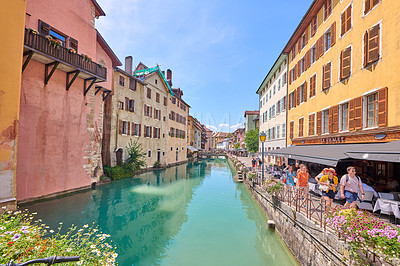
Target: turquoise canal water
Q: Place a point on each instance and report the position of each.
(193, 214)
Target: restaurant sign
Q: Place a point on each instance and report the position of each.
(333, 140)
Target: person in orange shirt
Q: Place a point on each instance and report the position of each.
(302, 179)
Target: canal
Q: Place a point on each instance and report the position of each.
(192, 214)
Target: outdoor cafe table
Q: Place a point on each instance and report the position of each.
(388, 206)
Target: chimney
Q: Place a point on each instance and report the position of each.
(128, 64)
(169, 76)
(163, 72)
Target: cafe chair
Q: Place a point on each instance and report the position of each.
(387, 196)
(367, 203)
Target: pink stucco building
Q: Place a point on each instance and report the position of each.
(62, 93)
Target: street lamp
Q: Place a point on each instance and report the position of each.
(262, 139)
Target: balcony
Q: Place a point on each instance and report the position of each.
(41, 49)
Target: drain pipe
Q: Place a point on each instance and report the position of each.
(335, 254)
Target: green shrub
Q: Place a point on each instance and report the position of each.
(23, 239)
(117, 172)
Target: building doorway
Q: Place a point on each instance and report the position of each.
(159, 156)
(119, 156)
(177, 154)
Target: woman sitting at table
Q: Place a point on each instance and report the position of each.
(328, 186)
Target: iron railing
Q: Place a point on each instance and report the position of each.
(40, 43)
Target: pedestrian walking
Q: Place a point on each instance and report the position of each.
(260, 162)
(253, 163)
(328, 185)
(350, 183)
(302, 179)
(290, 175)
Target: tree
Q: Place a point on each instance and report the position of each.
(251, 140)
(136, 156)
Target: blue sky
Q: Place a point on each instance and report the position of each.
(219, 51)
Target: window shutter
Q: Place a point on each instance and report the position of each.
(151, 111)
(321, 46)
(319, 121)
(307, 60)
(326, 76)
(299, 68)
(333, 33)
(351, 115)
(365, 48)
(73, 44)
(140, 129)
(300, 132)
(290, 77)
(145, 109)
(44, 28)
(127, 104)
(291, 130)
(120, 127)
(317, 49)
(382, 107)
(306, 36)
(345, 69)
(290, 102)
(348, 18)
(330, 120)
(154, 132)
(149, 132)
(367, 6)
(358, 113)
(129, 128)
(298, 46)
(335, 118)
(305, 91)
(373, 44)
(343, 23)
(298, 96)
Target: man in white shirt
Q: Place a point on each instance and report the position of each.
(349, 185)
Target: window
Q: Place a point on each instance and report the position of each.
(345, 63)
(371, 45)
(327, 40)
(326, 76)
(302, 66)
(73, 44)
(147, 110)
(131, 106)
(155, 81)
(292, 75)
(313, 55)
(270, 93)
(302, 92)
(311, 124)
(344, 116)
(291, 128)
(273, 133)
(279, 84)
(156, 133)
(147, 132)
(325, 121)
(125, 127)
(284, 79)
(346, 21)
(283, 104)
(165, 101)
(157, 114)
(313, 81)
(120, 105)
(121, 80)
(274, 89)
(173, 115)
(277, 131)
(369, 4)
(283, 130)
(172, 132)
(149, 154)
(303, 39)
(314, 25)
(173, 100)
(157, 97)
(327, 9)
(372, 110)
(136, 130)
(132, 84)
(292, 100)
(265, 116)
(278, 107)
(149, 93)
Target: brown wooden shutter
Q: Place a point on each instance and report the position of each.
(333, 33)
(343, 23)
(44, 28)
(120, 127)
(300, 132)
(299, 46)
(345, 69)
(351, 114)
(319, 121)
(358, 113)
(306, 35)
(330, 120)
(140, 130)
(154, 132)
(305, 91)
(298, 96)
(365, 48)
(348, 18)
(149, 132)
(335, 118)
(317, 49)
(126, 104)
(382, 107)
(326, 9)
(133, 129)
(321, 46)
(373, 44)
(326, 76)
(291, 132)
(289, 102)
(314, 26)
(367, 6)
(290, 76)
(151, 111)
(129, 128)
(307, 60)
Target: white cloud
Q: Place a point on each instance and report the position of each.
(236, 126)
(223, 125)
(212, 128)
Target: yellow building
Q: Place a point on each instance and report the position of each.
(190, 131)
(13, 16)
(344, 86)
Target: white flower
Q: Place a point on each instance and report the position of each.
(60, 223)
(2, 228)
(85, 226)
(92, 246)
(51, 231)
(69, 249)
(115, 255)
(79, 263)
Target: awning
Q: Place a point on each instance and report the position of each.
(192, 149)
(387, 152)
(322, 154)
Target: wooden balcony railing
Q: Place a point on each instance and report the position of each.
(39, 43)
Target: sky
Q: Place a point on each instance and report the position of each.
(219, 51)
